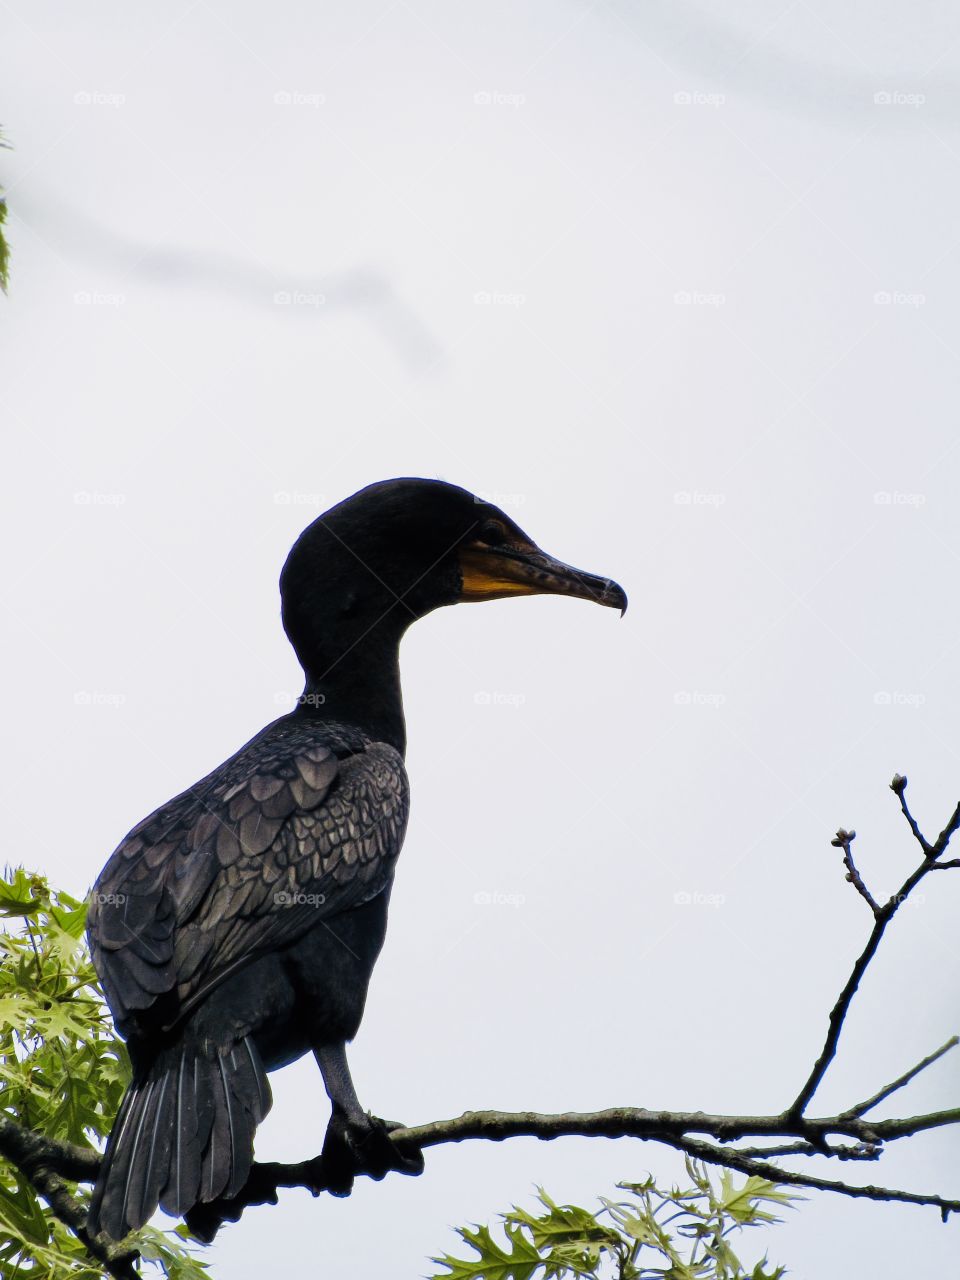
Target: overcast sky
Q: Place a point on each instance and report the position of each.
(678, 288)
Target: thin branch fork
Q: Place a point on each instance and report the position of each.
(714, 1138)
(882, 917)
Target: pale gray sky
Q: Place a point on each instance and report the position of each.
(678, 288)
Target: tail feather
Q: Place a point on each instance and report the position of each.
(215, 1166)
(137, 1157)
(183, 1183)
(184, 1133)
(158, 1139)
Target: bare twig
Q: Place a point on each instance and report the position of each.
(762, 1169)
(899, 786)
(868, 1104)
(841, 1151)
(882, 917)
(842, 840)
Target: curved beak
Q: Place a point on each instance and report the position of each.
(492, 573)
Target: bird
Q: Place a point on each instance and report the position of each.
(236, 928)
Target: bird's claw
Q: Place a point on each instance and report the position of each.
(351, 1149)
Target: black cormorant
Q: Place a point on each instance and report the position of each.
(236, 928)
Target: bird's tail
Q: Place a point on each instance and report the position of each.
(184, 1134)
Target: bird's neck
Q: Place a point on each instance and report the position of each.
(354, 678)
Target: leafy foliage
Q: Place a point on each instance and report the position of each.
(680, 1234)
(63, 1071)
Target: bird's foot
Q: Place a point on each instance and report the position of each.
(352, 1149)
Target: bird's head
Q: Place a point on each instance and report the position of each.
(404, 547)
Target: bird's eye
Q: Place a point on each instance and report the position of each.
(493, 533)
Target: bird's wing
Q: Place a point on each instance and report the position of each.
(282, 836)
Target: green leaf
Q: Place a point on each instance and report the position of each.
(21, 1211)
(562, 1224)
(21, 894)
(743, 1203)
(494, 1262)
(63, 1070)
(684, 1233)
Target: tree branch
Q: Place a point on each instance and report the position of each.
(843, 840)
(882, 917)
(45, 1163)
(846, 1136)
(862, 1108)
(673, 1128)
(762, 1169)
